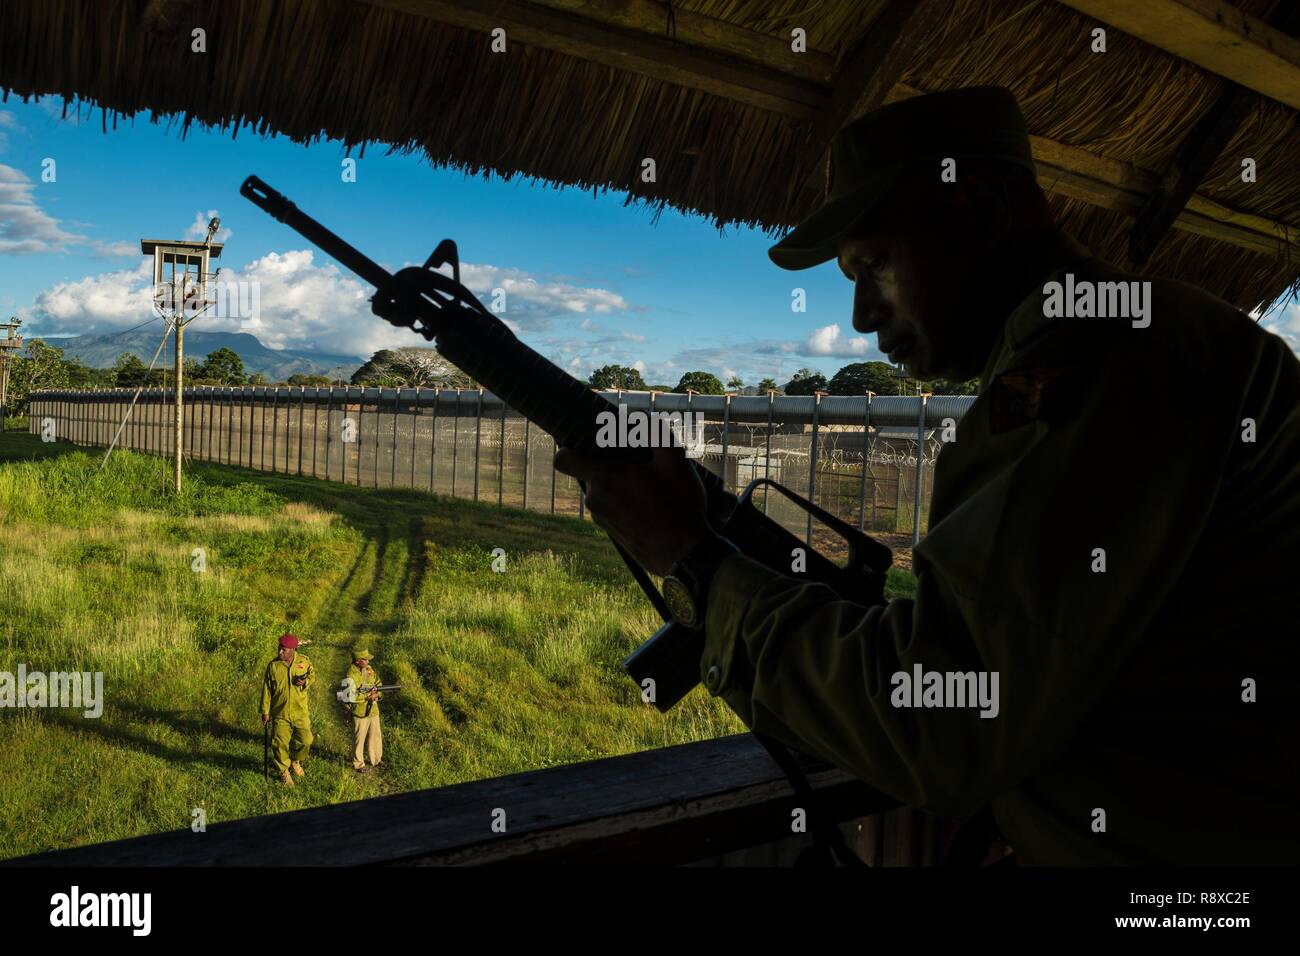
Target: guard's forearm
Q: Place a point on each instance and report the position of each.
(817, 672)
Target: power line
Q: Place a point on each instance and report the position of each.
(113, 335)
(122, 424)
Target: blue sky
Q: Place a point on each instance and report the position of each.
(589, 281)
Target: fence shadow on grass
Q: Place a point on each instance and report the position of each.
(380, 514)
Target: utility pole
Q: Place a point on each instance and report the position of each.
(180, 296)
(11, 342)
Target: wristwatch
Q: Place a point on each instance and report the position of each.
(686, 587)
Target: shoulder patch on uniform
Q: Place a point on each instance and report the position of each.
(1023, 395)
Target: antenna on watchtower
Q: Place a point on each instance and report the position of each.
(180, 295)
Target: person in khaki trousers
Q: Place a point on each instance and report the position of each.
(363, 701)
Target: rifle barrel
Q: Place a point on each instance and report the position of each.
(267, 199)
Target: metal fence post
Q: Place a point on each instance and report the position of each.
(501, 459)
(379, 411)
(433, 443)
(898, 490)
(418, 413)
(356, 431)
(315, 426)
(866, 466)
(329, 429)
(275, 429)
(812, 462)
(302, 418)
(767, 459)
(478, 439)
(920, 457)
(455, 443)
(726, 429)
(526, 424)
(392, 474)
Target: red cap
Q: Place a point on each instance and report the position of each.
(288, 640)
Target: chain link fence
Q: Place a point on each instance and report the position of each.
(869, 461)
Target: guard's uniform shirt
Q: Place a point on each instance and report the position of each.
(361, 705)
(281, 698)
(1120, 691)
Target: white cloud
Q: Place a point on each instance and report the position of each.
(532, 304)
(826, 341)
(94, 305)
(306, 305)
(25, 228)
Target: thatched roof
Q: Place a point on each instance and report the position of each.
(736, 121)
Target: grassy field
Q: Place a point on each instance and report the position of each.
(504, 672)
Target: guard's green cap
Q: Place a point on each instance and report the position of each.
(361, 654)
(869, 155)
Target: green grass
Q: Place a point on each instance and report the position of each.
(504, 672)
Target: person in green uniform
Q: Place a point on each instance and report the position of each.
(362, 702)
(1111, 537)
(284, 701)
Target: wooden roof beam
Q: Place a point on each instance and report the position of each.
(1193, 160)
(1196, 154)
(871, 72)
(1212, 34)
(662, 19)
(620, 42)
(1112, 184)
(632, 51)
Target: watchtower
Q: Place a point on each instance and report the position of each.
(180, 294)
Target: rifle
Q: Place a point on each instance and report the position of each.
(361, 692)
(471, 337)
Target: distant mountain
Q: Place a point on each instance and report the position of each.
(101, 351)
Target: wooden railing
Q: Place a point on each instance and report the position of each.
(694, 803)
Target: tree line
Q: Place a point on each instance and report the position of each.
(42, 365)
(857, 378)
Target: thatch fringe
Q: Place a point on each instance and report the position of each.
(312, 69)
